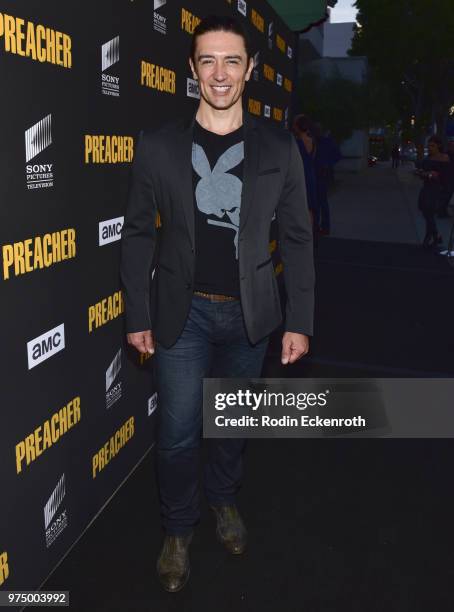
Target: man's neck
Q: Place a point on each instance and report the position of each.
(220, 121)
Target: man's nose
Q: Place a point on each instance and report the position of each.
(219, 72)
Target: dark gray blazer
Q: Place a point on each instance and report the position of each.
(273, 181)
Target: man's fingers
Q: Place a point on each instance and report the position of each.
(142, 341)
(286, 352)
(148, 342)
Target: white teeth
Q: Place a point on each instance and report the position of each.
(221, 87)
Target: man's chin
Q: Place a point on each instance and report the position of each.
(220, 104)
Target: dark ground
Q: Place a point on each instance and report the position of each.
(363, 525)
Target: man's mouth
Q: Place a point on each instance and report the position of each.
(221, 88)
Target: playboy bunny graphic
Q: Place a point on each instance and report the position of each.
(217, 163)
(219, 192)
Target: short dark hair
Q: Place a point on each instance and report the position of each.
(220, 23)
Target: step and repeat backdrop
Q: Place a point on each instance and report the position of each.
(78, 82)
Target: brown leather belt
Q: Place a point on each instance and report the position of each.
(215, 297)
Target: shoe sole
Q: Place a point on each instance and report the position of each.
(180, 587)
(232, 552)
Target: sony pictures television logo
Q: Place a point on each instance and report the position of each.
(270, 34)
(54, 527)
(286, 118)
(152, 403)
(279, 79)
(289, 52)
(37, 138)
(159, 21)
(267, 111)
(110, 55)
(113, 392)
(242, 7)
(192, 88)
(255, 72)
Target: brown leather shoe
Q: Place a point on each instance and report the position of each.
(230, 529)
(173, 563)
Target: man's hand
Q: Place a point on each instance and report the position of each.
(294, 346)
(142, 341)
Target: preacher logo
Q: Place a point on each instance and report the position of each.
(278, 113)
(110, 230)
(41, 44)
(113, 394)
(255, 107)
(192, 88)
(38, 252)
(267, 111)
(4, 567)
(189, 21)
(242, 7)
(157, 77)
(110, 55)
(159, 21)
(46, 435)
(269, 72)
(280, 42)
(258, 21)
(108, 149)
(44, 346)
(112, 447)
(37, 138)
(54, 502)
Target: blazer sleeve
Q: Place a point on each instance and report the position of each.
(296, 246)
(138, 240)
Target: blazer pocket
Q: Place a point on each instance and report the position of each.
(264, 263)
(268, 171)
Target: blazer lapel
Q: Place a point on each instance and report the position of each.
(183, 173)
(183, 169)
(250, 166)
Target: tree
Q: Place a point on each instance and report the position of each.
(410, 47)
(337, 103)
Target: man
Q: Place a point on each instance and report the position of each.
(217, 179)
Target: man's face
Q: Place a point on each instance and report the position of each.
(221, 68)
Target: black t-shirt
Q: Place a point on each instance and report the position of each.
(217, 170)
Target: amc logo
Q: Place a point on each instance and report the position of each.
(4, 569)
(110, 230)
(41, 348)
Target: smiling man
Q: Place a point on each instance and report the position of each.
(217, 180)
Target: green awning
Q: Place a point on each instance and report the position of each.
(301, 14)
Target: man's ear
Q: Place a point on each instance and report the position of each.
(192, 67)
(250, 69)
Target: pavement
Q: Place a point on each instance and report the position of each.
(380, 204)
(356, 525)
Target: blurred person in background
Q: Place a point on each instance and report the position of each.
(433, 170)
(304, 132)
(395, 156)
(448, 183)
(327, 154)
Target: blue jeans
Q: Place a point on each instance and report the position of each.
(213, 344)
